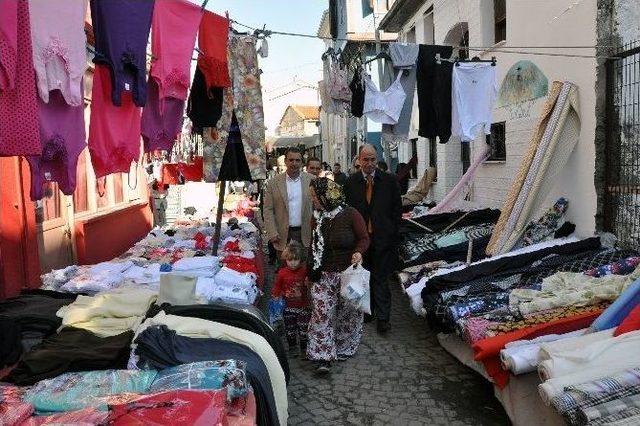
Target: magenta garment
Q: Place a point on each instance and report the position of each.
(63, 135)
(161, 120)
(173, 36)
(18, 106)
(8, 43)
(59, 47)
(121, 29)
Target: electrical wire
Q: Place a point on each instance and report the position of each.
(497, 49)
(292, 91)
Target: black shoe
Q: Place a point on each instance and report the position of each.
(368, 318)
(383, 327)
(324, 367)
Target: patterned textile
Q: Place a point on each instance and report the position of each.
(542, 317)
(335, 328)
(622, 267)
(582, 401)
(477, 304)
(296, 323)
(570, 288)
(628, 417)
(610, 408)
(412, 248)
(244, 97)
(523, 170)
(474, 329)
(546, 226)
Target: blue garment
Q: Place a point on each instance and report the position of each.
(75, 391)
(223, 374)
(276, 310)
(618, 310)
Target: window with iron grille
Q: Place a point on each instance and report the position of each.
(496, 140)
(500, 20)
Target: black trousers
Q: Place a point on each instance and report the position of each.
(381, 264)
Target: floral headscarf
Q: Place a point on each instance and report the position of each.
(332, 199)
(329, 193)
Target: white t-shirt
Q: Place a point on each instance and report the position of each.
(294, 193)
(474, 89)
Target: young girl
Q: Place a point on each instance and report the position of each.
(291, 284)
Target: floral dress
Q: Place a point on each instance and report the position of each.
(244, 97)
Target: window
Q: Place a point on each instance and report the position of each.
(410, 37)
(464, 42)
(367, 8)
(433, 153)
(414, 154)
(465, 155)
(429, 35)
(500, 20)
(496, 141)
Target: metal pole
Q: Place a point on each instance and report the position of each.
(216, 235)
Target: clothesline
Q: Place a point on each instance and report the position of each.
(470, 48)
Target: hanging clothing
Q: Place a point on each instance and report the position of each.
(357, 94)
(175, 24)
(335, 327)
(383, 107)
(213, 39)
(114, 132)
(338, 84)
(121, 30)
(474, 91)
(18, 108)
(161, 119)
(59, 47)
(329, 105)
(234, 162)
(204, 108)
(434, 92)
(8, 44)
(244, 98)
(62, 132)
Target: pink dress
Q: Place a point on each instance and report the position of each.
(8, 43)
(19, 133)
(114, 132)
(59, 47)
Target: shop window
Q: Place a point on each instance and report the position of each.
(500, 20)
(496, 141)
(465, 155)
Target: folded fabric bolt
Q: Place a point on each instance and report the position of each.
(523, 356)
(575, 396)
(198, 328)
(619, 309)
(177, 289)
(570, 288)
(549, 349)
(75, 391)
(606, 409)
(117, 304)
(223, 374)
(595, 355)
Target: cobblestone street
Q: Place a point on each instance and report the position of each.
(405, 378)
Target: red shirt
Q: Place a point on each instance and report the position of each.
(290, 284)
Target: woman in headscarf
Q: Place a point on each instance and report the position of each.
(339, 239)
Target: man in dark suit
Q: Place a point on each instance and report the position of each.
(376, 195)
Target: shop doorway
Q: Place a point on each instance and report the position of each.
(55, 235)
(622, 172)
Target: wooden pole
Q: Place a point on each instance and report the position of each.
(216, 235)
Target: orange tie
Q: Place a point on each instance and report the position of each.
(369, 195)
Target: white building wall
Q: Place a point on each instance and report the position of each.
(529, 23)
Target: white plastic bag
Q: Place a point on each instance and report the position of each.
(354, 287)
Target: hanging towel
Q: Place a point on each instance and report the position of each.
(213, 38)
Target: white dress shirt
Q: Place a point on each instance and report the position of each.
(294, 193)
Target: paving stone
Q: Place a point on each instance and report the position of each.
(404, 378)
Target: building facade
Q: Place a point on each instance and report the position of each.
(510, 32)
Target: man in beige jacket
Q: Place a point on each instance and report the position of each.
(287, 205)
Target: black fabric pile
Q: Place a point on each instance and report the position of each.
(72, 350)
(413, 236)
(159, 347)
(233, 317)
(27, 319)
